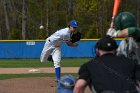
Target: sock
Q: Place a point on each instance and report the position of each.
(57, 72)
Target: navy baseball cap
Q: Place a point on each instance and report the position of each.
(107, 44)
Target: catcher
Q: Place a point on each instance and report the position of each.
(52, 47)
(66, 84)
(126, 27)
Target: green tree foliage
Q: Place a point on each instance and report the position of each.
(94, 16)
(85, 11)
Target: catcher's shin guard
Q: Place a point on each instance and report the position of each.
(57, 72)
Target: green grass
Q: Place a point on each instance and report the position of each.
(22, 63)
(11, 76)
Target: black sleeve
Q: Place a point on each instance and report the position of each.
(84, 73)
(137, 72)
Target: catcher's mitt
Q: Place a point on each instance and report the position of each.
(75, 37)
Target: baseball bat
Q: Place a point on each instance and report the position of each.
(115, 10)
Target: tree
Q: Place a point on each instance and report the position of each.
(21, 20)
(24, 18)
(6, 18)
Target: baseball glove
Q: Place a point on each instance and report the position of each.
(75, 37)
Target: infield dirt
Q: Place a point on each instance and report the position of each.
(34, 84)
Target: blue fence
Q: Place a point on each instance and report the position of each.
(32, 49)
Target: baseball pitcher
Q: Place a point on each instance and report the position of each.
(52, 47)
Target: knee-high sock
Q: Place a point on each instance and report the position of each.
(57, 72)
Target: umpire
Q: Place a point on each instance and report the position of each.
(108, 73)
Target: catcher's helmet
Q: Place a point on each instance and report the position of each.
(66, 84)
(73, 23)
(124, 20)
(67, 81)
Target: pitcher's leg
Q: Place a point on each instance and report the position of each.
(47, 50)
(56, 55)
(58, 73)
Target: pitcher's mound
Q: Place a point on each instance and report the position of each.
(29, 85)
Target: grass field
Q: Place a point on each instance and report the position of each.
(10, 76)
(25, 63)
(21, 63)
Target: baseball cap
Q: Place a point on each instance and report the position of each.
(107, 44)
(73, 23)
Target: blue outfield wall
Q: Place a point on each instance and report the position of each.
(32, 49)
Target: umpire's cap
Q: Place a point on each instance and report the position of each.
(107, 44)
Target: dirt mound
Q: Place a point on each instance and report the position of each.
(37, 70)
(29, 85)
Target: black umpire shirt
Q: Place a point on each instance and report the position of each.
(102, 79)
